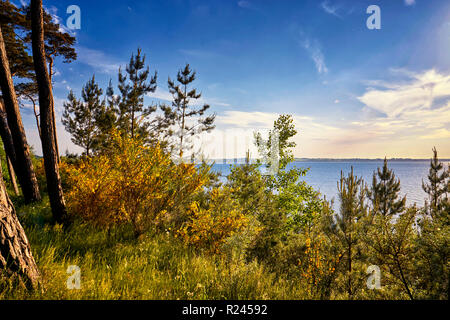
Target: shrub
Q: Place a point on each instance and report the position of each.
(132, 183)
(212, 223)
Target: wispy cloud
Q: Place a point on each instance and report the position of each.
(199, 53)
(98, 60)
(165, 95)
(53, 11)
(410, 2)
(244, 4)
(314, 50)
(400, 118)
(330, 9)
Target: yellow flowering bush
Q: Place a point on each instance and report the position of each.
(65, 169)
(132, 183)
(317, 267)
(210, 223)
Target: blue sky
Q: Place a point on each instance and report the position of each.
(353, 92)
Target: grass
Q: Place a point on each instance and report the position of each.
(152, 267)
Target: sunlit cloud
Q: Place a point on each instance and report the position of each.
(406, 122)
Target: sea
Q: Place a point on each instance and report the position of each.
(323, 175)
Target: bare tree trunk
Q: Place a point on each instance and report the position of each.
(8, 146)
(12, 175)
(50, 73)
(54, 187)
(15, 251)
(36, 115)
(24, 166)
(405, 283)
(6, 135)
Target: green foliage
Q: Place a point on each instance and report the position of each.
(82, 119)
(16, 30)
(437, 187)
(298, 202)
(158, 267)
(347, 231)
(391, 242)
(147, 227)
(384, 194)
(433, 257)
(133, 87)
(187, 119)
(13, 22)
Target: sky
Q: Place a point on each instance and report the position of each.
(353, 92)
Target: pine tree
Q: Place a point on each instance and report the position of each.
(384, 193)
(391, 241)
(183, 114)
(106, 118)
(352, 192)
(13, 21)
(23, 165)
(133, 86)
(46, 105)
(79, 117)
(57, 43)
(437, 186)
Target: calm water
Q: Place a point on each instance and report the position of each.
(323, 175)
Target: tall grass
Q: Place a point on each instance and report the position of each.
(152, 267)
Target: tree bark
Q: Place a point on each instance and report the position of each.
(24, 166)
(12, 175)
(15, 251)
(8, 146)
(51, 165)
(50, 72)
(5, 133)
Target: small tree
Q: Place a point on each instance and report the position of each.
(295, 199)
(437, 186)
(384, 193)
(348, 225)
(389, 231)
(105, 118)
(133, 87)
(80, 117)
(392, 247)
(183, 114)
(432, 256)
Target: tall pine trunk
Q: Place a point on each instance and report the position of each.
(50, 74)
(51, 164)
(12, 175)
(15, 252)
(24, 166)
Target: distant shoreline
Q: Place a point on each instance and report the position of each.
(363, 159)
(241, 160)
